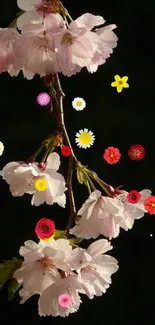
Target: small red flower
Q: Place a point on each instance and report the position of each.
(136, 152)
(112, 155)
(45, 228)
(66, 151)
(133, 197)
(149, 204)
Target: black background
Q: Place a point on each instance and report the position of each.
(118, 120)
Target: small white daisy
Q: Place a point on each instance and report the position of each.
(79, 104)
(1, 148)
(84, 138)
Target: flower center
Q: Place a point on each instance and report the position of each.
(136, 152)
(48, 6)
(46, 265)
(85, 138)
(41, 185)
(153, 205)
(78, 103)
(67, 39)
(111, 155)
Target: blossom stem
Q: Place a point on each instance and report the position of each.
(72, 157)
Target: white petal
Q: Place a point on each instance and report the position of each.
(30, 17)
(99, 247)
(27, 5)
(53, 161)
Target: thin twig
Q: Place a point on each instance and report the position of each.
(72, 158)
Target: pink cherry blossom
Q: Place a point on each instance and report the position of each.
(99, 215)
(94, 267)
(23, 178)
(8, 60)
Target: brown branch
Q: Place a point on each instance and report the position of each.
(72, 158)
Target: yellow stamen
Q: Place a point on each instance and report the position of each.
(78, 103)
(85, 138)
(153, 205)
(111, 155)
(41, 185)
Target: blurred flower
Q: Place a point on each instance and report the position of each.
(1, 148)
(112, 155)
(66, 151)
(78, 103)
(149, 204)
(133, 197)
(43, 99)
(136, 152)
(120, 83)
(84, 139)
(45, 229)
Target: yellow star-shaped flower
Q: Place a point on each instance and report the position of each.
(120, 83)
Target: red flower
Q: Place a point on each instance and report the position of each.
(45, 228)
(136, 152)
(112, 155)
(133, 196)
(66, 151)
(149, 204)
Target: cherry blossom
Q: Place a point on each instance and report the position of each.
(45, 185)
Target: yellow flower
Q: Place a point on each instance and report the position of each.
(120, 83)
(41, 185)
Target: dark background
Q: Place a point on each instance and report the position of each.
(118, 120)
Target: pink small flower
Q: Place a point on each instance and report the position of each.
(43, 99)
(133, 197)
(112, 155)
(65, 300)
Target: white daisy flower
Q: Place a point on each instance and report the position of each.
(84, 138)
(79, 104)
(1, 148)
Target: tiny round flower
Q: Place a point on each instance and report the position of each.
(1, 148)
(136, 152)
(79, 104)
(84, 139)
(41, 185)
(65, 300)
(43, 99)
(66, 151)
(112, 155)
(133, 197)
(149, 204)
(45, 229)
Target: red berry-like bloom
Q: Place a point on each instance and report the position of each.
(136, 152)
(66, 151)
(112, 155)
(45, 228)
(149, 204)
(133, 197)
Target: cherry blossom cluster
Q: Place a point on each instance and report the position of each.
(47, 41)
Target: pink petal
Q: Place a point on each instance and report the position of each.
(27, 5)
(53, 22)
(30, 17)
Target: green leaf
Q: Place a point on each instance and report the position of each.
(79, 174)
(75, 241)
(13, 286)
(60, 234)
(7, 268)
